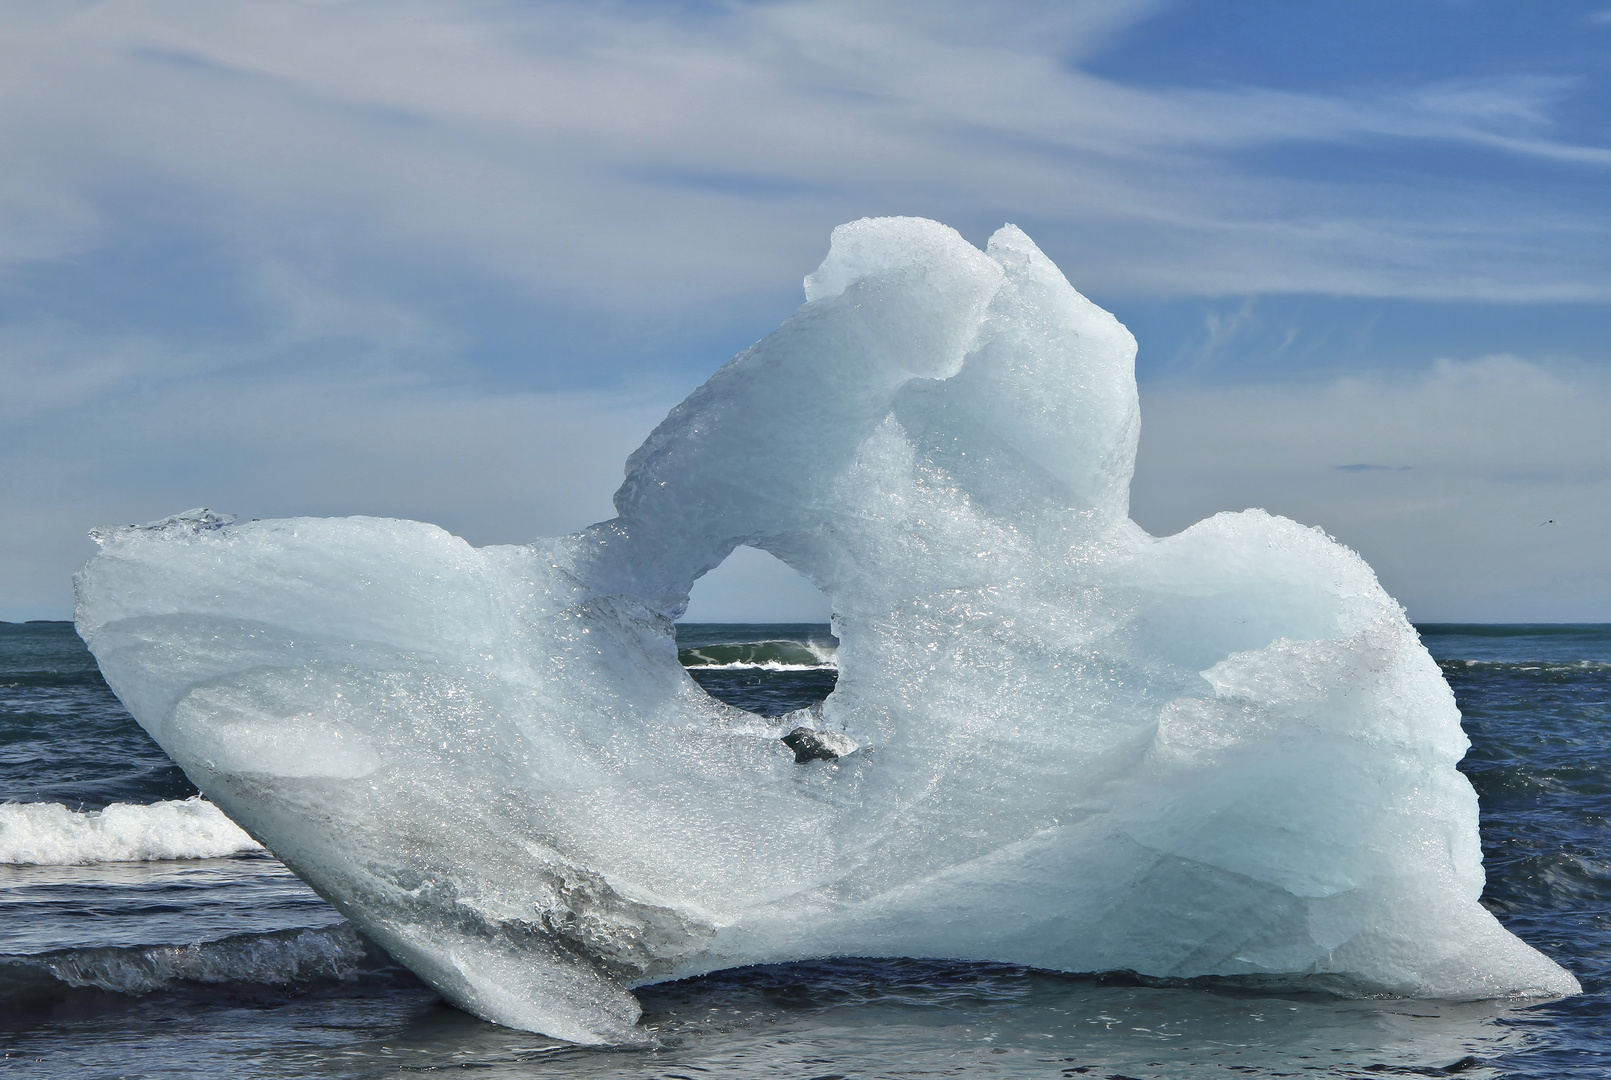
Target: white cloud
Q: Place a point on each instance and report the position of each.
(494, 468)
(1464, 461)
(624, 161)
(1473, 457)
(642, 156)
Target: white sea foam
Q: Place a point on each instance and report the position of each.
(764, 665)
(1531, 667)
(769, 655)
(50, 834)
(1219, 753)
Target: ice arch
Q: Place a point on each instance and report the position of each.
(1218, 753)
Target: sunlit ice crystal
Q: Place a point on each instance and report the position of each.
(1065, 743)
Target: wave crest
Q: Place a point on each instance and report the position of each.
(283, 958)
(775, 655)
(1545, 668)
(50, 834)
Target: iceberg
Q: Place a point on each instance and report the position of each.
(1056, 740)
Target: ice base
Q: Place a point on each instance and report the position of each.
(1080, 747)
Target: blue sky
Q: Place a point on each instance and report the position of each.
(452, 261)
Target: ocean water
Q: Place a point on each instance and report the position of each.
(229, 966)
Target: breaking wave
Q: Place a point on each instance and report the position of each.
(1535, 668)
(774, 655)
(282, 959)
(50, 834)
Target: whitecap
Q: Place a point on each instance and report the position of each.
(50, 834)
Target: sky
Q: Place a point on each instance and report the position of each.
(452, 261)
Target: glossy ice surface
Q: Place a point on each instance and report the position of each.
(1223, 753)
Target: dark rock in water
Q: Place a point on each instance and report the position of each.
(809, 745)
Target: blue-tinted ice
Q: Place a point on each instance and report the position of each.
(1081, 747)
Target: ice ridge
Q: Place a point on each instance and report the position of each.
(1222, 753)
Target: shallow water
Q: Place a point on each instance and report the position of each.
(207, 967)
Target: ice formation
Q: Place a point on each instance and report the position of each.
(1082, 747)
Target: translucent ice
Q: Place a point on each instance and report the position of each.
(1078, 746)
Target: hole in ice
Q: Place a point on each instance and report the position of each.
(756, 636)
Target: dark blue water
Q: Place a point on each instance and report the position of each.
(63, 736)
(767, 668)
(1537, 707)
(230, 967)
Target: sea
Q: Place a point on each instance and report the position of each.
(141, 936)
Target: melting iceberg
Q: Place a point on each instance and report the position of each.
(1076, 745)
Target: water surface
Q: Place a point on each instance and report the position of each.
(231, 967)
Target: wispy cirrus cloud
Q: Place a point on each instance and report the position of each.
(637, 155)
(451, 259)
